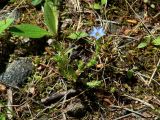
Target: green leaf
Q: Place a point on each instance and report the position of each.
(156, 41)
(113, 89)
(4, 24)
(142, 45)
(51, 17)
(77, 35)
(103, 2)
(91, 63)
(94, 84)
(80, 65)
(36, 2)
(2, 117)
(130, 74)
(28, 30)
(96, 6)
(148, 38)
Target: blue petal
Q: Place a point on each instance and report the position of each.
(93, 32)
(101, 31)
(97, 30)
(97, 37)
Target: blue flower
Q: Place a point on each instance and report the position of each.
(97, 32)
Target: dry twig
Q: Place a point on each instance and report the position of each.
(143, 102)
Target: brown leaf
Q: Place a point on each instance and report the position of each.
(132, 21)
(100, 65)
(2, 87)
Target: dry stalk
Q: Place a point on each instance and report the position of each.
(9, 104)
(141, 101)
(154, 72)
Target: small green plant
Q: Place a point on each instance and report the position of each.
(62, 58)
(145, 42)
(94, 84)
(77, 35)
(63, 61)
(99, 5)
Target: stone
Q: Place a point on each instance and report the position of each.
(17, 72)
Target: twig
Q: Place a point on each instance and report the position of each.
(124, 116)
(108, 21)
(143, 80)
(154, 72)
(143, 102)
(29, 110)
(79, 23)
(132, 111)
(9, 104)
(156, 15)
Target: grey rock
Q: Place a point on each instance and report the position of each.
(17, 72)
(15, 14)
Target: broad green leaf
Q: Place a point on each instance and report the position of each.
(77, 35)
(36, 2)
(4, 24)
(51, 17)
(94, 84)
(103, 2)
(28, 30)
(156, 41)
(142, 45)
(96, 6)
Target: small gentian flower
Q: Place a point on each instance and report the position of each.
(97, 32)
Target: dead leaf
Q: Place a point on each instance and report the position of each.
(100, 65)
(31, 90)
(2, 87)
(131, 31)
(132, 21)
